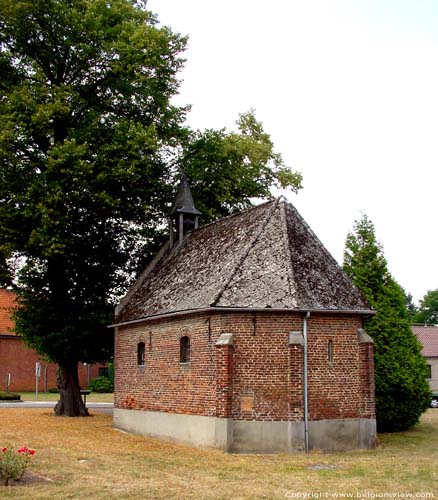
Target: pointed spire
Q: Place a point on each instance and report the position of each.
(184, 200)
(184, 215)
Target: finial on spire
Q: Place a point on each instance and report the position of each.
(184, 200)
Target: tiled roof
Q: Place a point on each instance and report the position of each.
(7, 302)
(428, 337)
(264, 257)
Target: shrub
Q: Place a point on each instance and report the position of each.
(101, 384)
(13, 464)
(9, 396)
(53, 390)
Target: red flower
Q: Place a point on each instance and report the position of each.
(26, 450)
(4, 449)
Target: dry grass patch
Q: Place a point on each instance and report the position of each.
(86, 457)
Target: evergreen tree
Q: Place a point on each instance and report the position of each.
(402, 392)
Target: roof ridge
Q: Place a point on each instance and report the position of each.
(226, 217)
(165, 253)
(291, 276)
(247, 250)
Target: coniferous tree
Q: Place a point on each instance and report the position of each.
(402, 392)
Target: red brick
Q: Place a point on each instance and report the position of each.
(260, 377)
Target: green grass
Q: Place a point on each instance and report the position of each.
(94, 397)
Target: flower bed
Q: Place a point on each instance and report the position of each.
(13, 464)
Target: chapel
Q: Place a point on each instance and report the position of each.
(245, 335)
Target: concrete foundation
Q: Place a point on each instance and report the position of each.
(242, 436)
(195, 430)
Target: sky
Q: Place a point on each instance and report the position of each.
(348, 91)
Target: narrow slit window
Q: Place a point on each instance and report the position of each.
(184, 350)
(330, 352)
(141, 354)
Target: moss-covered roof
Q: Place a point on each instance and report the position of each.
(264, 257)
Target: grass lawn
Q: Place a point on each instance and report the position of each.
(87, 458)
(94, 397)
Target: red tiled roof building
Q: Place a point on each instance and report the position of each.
(17, 361)
(428, 337)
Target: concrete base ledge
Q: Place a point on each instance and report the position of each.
(342, 434)
(242, 436)
(195, 430)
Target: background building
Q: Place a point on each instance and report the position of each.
(428, 337)
(18, 362)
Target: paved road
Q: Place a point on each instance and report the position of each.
(98, 407)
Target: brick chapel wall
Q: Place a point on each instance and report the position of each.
(19, 360)
(264, 384)
(163, 383)
(267, 374)
(343, 388)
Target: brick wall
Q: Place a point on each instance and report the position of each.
(7, 303)
(163, 383)
(267, 373)
(336, 389)
(19, 360)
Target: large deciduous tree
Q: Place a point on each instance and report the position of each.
(85, 115)
(402, 393)
(228, 169)
(89, 140)
(427, 312)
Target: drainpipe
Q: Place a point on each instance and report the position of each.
(306, 401)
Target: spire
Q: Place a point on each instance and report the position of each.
(184, 200)
(184, 215)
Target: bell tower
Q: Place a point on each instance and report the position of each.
(184, 215)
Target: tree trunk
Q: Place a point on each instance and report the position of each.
(70, 402)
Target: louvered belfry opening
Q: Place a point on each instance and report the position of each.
(184, 216)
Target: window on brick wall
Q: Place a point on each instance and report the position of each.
(429, 371)
(330, 352)
(141, 354)
(184, 350)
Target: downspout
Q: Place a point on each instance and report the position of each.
(306, 401)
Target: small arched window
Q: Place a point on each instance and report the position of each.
(184, 350)
(141, 354)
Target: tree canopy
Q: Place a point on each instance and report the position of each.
(90, 146)
(427, 311)
(228, 169)
(402, 393)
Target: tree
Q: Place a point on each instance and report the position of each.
(229, 169)
(89, 142)
(402, 393)
(85, 116)
(428, 310)
(410, 307)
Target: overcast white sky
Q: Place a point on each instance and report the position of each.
(348, 91)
